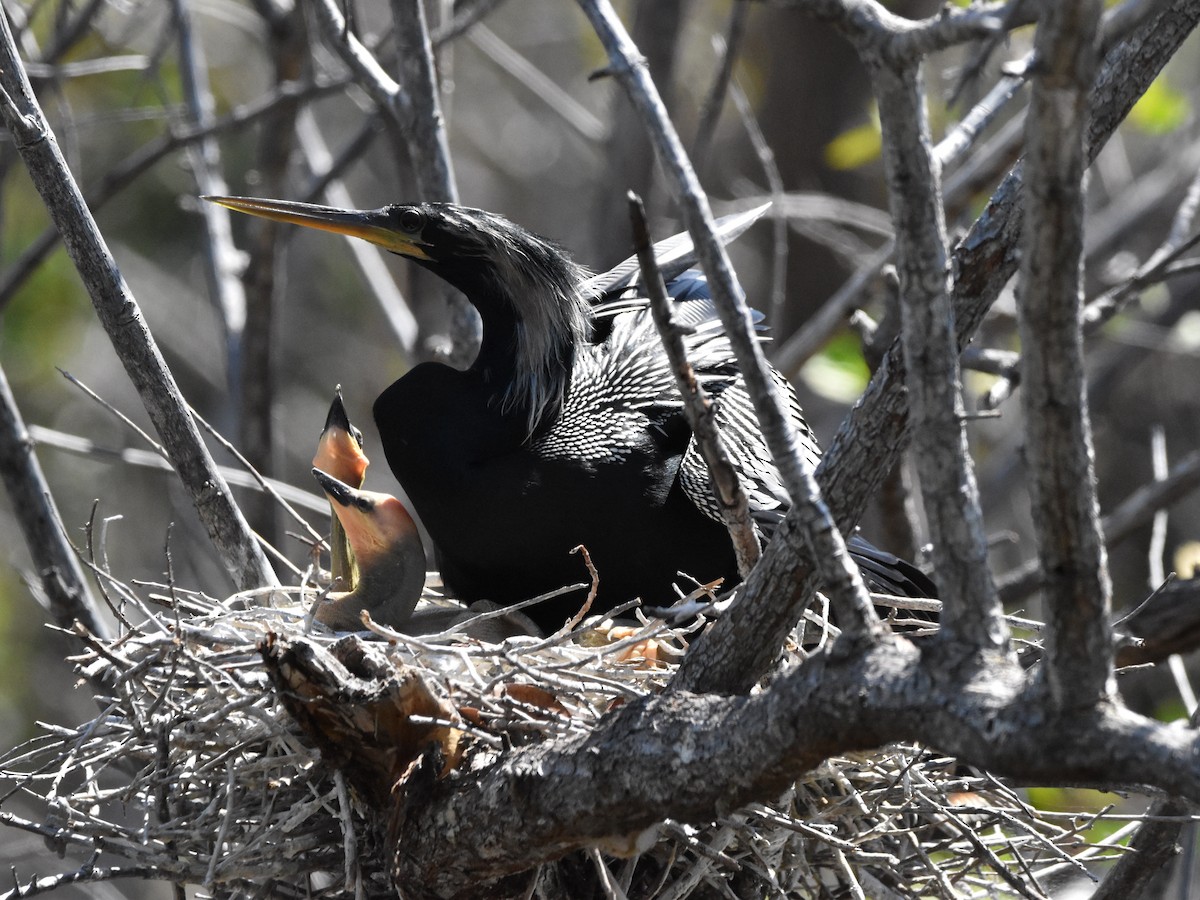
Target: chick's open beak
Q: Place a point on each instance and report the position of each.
(339, 450)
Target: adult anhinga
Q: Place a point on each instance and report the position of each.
(568, 428)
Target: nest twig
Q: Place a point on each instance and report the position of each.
(196, 772)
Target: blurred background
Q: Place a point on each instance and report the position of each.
(259, 339)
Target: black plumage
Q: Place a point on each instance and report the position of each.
(568, 428)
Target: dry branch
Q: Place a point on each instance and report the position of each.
(53, 556)
(701, 414)
(971, 612)
(1065, 511)
(742, 646)
(119, 313)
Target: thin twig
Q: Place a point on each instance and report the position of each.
(701, 414)
(727, 49)
(221, 258)
(369, 257)
(766, 159)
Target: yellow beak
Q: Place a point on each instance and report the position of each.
(369, 224)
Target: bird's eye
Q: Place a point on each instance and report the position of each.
(411, 220)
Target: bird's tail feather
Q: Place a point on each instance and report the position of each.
(887, 573)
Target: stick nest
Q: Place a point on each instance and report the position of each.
(198, 771)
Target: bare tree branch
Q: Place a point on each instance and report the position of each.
(119, 313)
(1167, 622)
(142, 160)
(254, 381)
(221, 258)
(1155, 845)
(405, 107)
(620, 770)
(710, 110)
(779, 227)
(902, 40)
(971, 612)
(701, 414)
(425, 134)
(427, 129)
(870, 439)
(627, 152)
(53, 557)
(375, 273)
(682, 756)
(1066, 515)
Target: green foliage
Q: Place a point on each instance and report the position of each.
(838, 372)
(42, 321)
(1079, 800)
(1161, 110)
(856, 146)
(1170, 709)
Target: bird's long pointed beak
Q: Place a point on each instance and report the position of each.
(339, 450)
(375, 523)
(342, 494)
(369, 224)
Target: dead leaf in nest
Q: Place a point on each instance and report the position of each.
(369, 717)
(532, 695)
(615, 703)
(646, 652)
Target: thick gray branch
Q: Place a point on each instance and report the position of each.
(689, 757)
(429, 150)
(426, 127)
(1066, 515)
(1155, 845)
(971, 612)
(122, 319)
(904, 41)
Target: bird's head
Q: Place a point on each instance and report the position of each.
(340, 448)
(509, 274)
(391, 558)
(378, 526)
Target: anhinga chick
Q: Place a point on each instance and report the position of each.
(389, 554)
(340, 454)
(391, 573)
